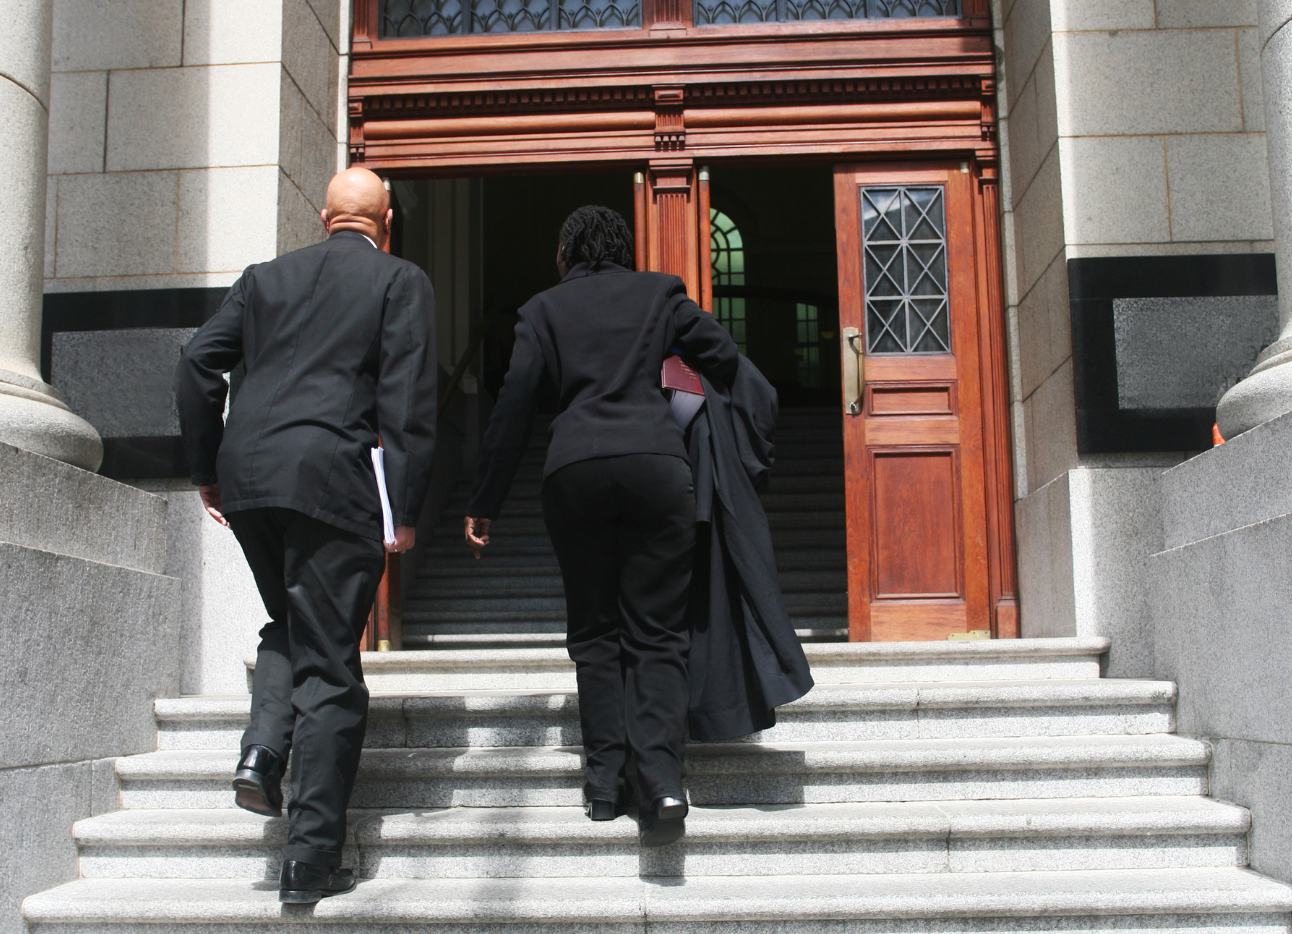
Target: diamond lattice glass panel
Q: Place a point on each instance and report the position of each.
(726, 12)
(904, 245)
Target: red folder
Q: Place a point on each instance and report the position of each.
(675, 374)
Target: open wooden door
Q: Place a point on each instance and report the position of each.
(912, 399)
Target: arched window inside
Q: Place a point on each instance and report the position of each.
(728, 270)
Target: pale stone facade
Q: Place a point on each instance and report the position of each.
(1131, 129)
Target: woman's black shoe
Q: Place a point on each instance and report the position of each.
(305, 883)
(258, 782)
(602, 809)
(664, 822)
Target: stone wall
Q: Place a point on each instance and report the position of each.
(1130, 128)
(187, 139)
(1222, 623)
(89, 630)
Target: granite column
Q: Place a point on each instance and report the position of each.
(1266, 392)
(31, 414)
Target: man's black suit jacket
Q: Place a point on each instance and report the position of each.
(338, 340)
(600, 336)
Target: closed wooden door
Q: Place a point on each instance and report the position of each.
(912, 401)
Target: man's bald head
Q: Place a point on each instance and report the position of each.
(357, 200)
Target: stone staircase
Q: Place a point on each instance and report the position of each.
(513, 595)
(936, 787)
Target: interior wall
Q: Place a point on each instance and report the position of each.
(439, 227)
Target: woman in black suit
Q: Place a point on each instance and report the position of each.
(617, 500)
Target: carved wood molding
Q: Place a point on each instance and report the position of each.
(356, 130)
(989, 109)
(391, 106)
(669, 111)
(670, 132)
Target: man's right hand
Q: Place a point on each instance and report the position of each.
(477, 532)
(211, 500)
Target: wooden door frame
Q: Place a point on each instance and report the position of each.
(669, 98)
(979, 235)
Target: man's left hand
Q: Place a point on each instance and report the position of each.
(211, 500)
(405, 535)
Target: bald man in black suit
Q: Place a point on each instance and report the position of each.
(338, 342)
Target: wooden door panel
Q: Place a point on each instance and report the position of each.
(918, 621)
(899, 400)
(911, 430)
(917, 554)
(932, 368)
(916, 527)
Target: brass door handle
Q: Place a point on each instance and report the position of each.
(854, 370)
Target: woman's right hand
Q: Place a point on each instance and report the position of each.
(477, 533)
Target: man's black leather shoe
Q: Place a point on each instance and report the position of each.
(664, 822)
(258, 782)
(305, 883)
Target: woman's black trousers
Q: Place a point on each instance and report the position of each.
(624, 532)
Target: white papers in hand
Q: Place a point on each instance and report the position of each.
(685, 406)
(387, 519)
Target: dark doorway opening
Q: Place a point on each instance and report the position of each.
(522, 221)
(775, 278)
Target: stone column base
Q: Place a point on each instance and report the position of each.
(1266, 393)
(33, 418)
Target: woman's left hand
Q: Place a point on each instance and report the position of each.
(477, 533)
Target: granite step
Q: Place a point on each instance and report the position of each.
(726, 774)
(813, 839)
(832, 663)
(785, 536)
(552, 633)
(418, 625)
(790, 465)
(520, 604)
(488, 582)
(451, 526)
(529, 486)
(521, 507)
(444, 557)
(1203, 901)
(418, 628)
(939, 710)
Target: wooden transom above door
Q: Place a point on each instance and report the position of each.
(913, 405)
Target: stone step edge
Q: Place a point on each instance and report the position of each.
(859, 756)
(857, 653)
(512, 640)
(868, 698)
(1088, 893)
(953, 820)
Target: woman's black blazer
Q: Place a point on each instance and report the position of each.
(600, 336)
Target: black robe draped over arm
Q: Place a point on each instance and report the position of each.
(745, 657)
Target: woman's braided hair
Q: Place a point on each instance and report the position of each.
(593, 234)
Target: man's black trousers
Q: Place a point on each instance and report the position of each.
(308, 699)
(624, 533)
